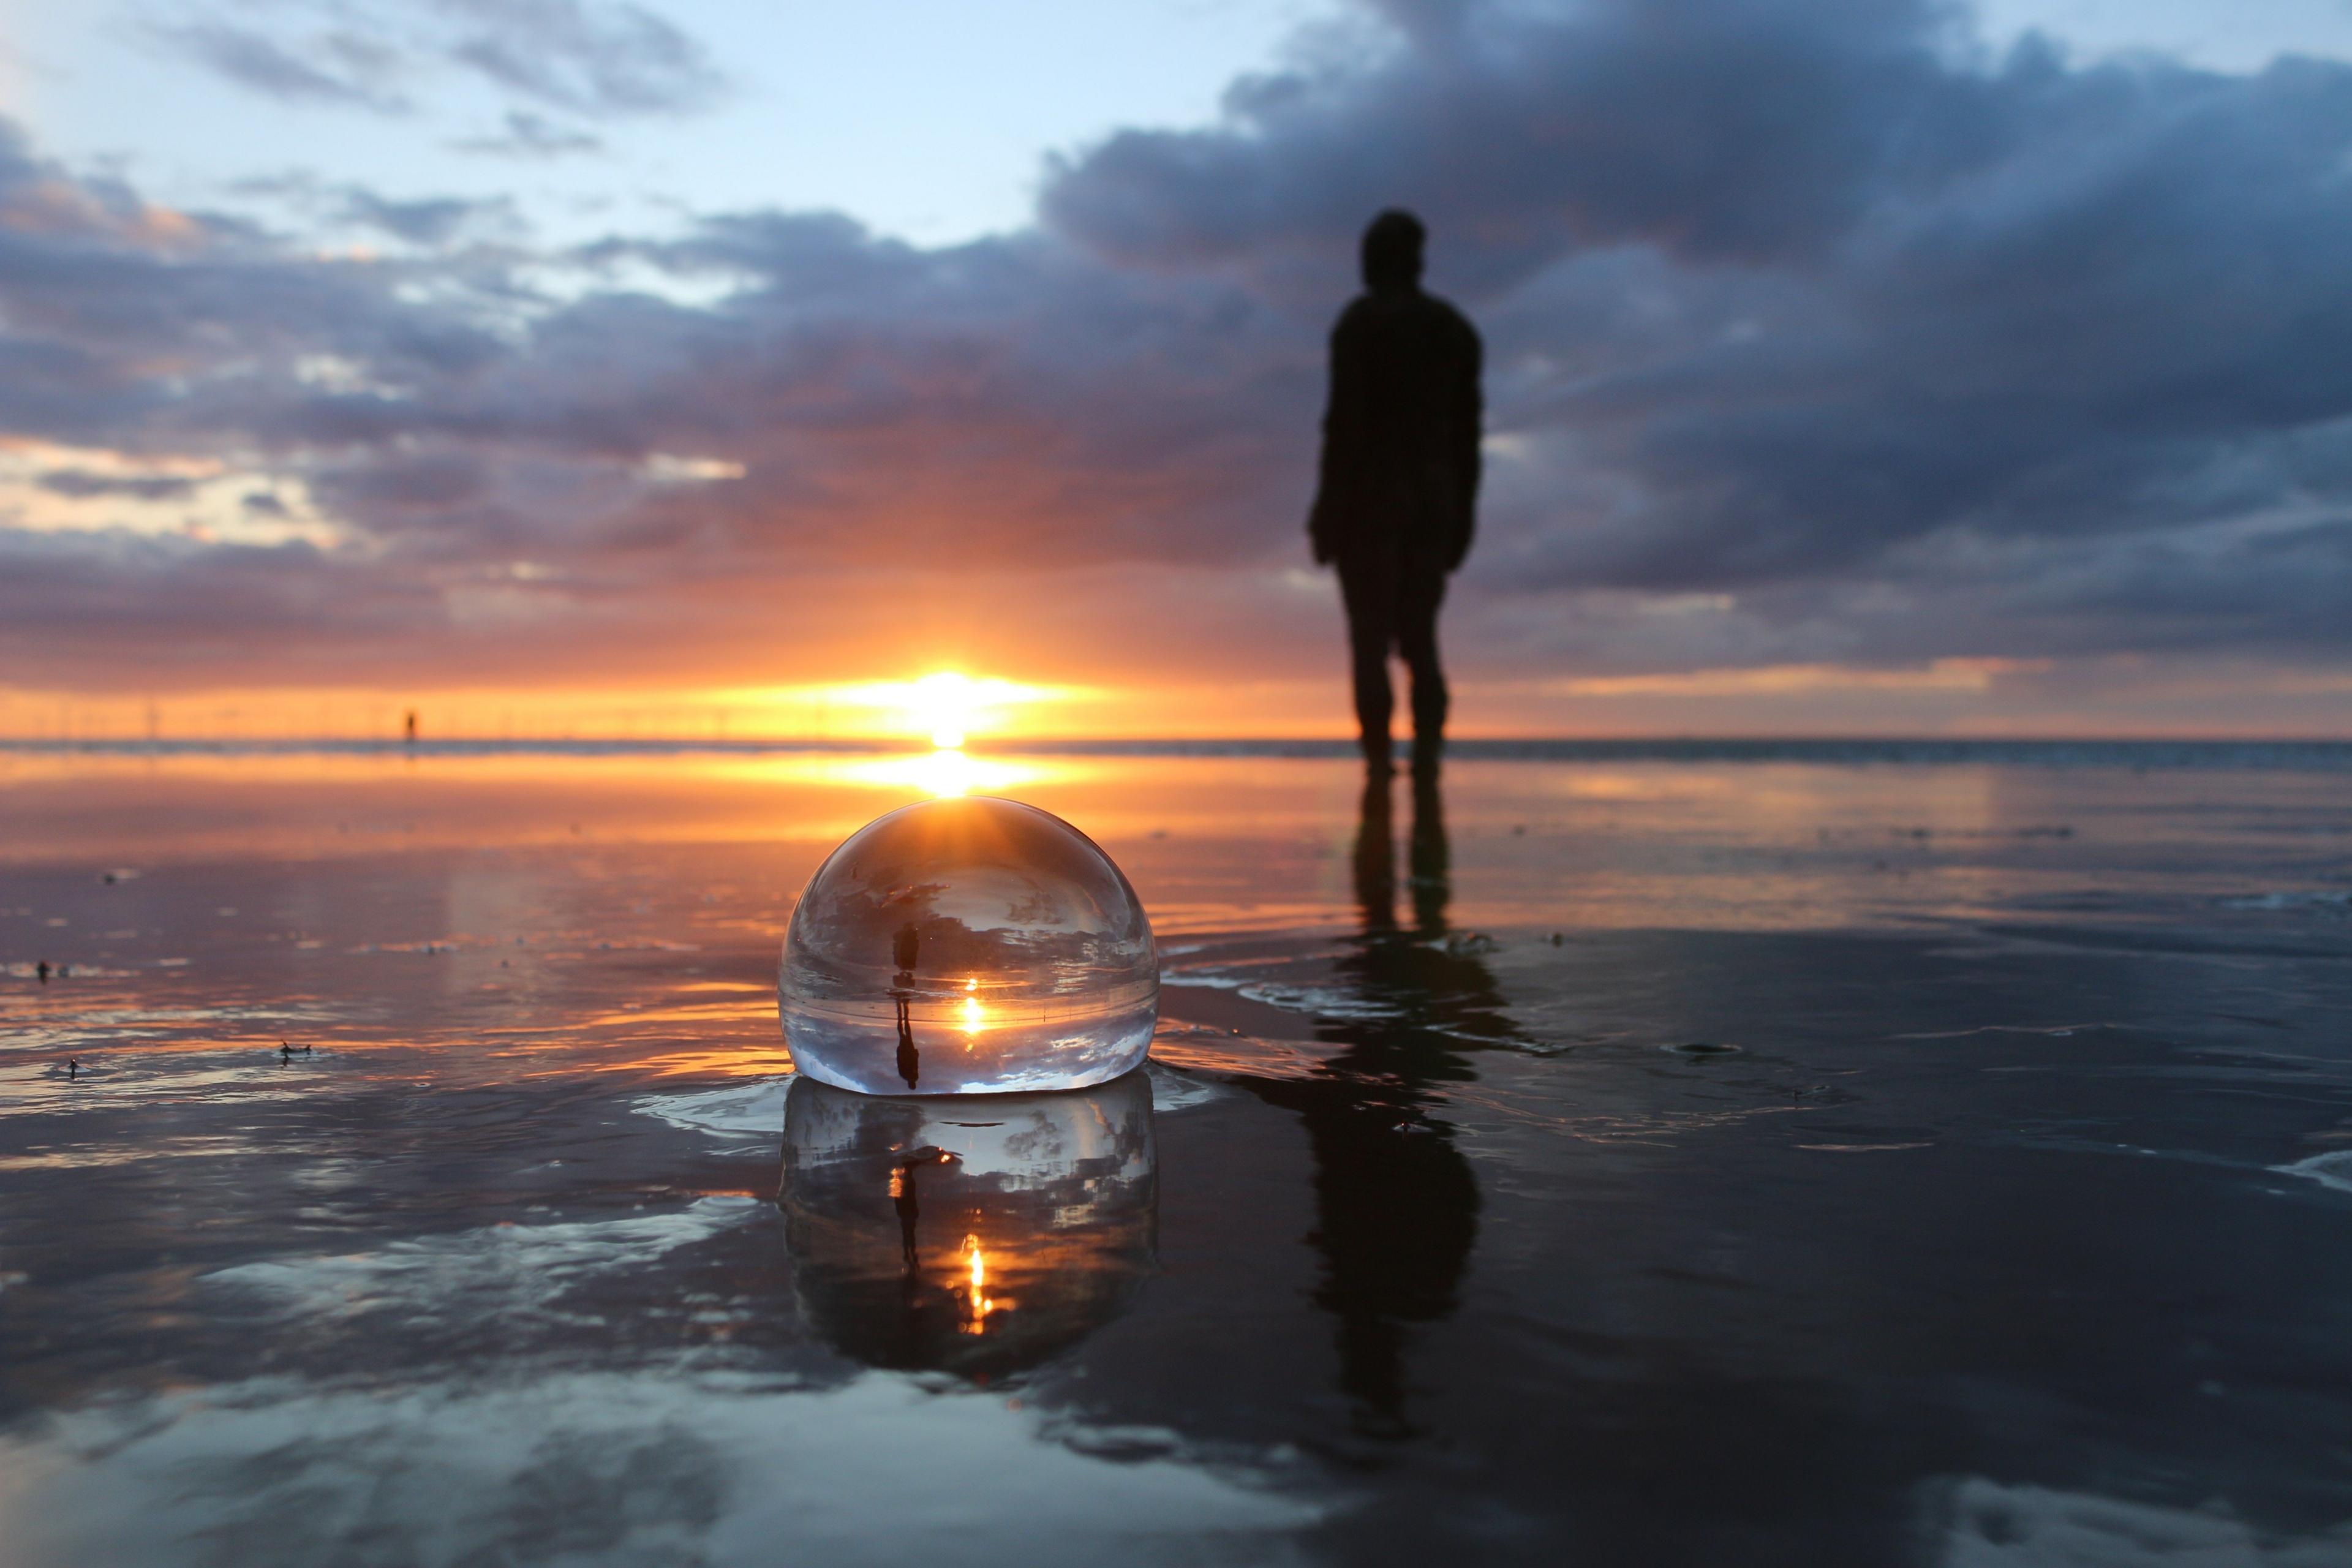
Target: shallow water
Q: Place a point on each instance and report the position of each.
(1753, 1157)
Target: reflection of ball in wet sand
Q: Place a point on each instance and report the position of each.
(976, 1235)
(968, 946)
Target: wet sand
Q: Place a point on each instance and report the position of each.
(1618, 1159)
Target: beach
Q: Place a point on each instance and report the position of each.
(1777, 1154)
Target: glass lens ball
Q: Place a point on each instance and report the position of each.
(968, 946)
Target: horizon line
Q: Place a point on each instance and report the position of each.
(2333, 749)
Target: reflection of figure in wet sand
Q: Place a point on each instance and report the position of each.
(1396, 1203)
(911, 1060)
(903, 1199)
(904, 948)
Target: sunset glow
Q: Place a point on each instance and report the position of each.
(946, 707)
(946, 704)
(1052, 487)
(1945, 697)
(943, 774)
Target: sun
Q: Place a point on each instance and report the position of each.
(946, 707)
(950, 706)
(945, 704)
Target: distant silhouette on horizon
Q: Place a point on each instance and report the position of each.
(1396, 503)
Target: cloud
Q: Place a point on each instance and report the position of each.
(1812, 324)
(595, 57)
(328, 206)
(223, 609)
(1781, 287)
(584, 56)
(430, 221)
(81, 483)
(336, 66)
(533, 136)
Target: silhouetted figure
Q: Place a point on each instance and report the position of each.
(411, 726)
(73, 1068)
(904, 948)
(42, 968)
(1397, 500)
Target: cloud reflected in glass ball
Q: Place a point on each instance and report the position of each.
(972, 946)
(977, 1236)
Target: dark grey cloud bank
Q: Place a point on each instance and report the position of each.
(1814, 334)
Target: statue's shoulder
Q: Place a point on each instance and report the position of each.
(1452, 315)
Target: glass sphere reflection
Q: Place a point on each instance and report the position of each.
(970, 946)
(978, 1237)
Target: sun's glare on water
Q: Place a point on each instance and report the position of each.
(977, 1303)
(943, 774)
(945, 707)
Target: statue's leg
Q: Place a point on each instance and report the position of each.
(1368, 589)
(1423, 591)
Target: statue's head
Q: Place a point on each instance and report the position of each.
(1392, 251)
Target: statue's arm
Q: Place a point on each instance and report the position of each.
(1343, 438)
(1469, 431)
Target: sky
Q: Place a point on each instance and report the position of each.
(1853, 366)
